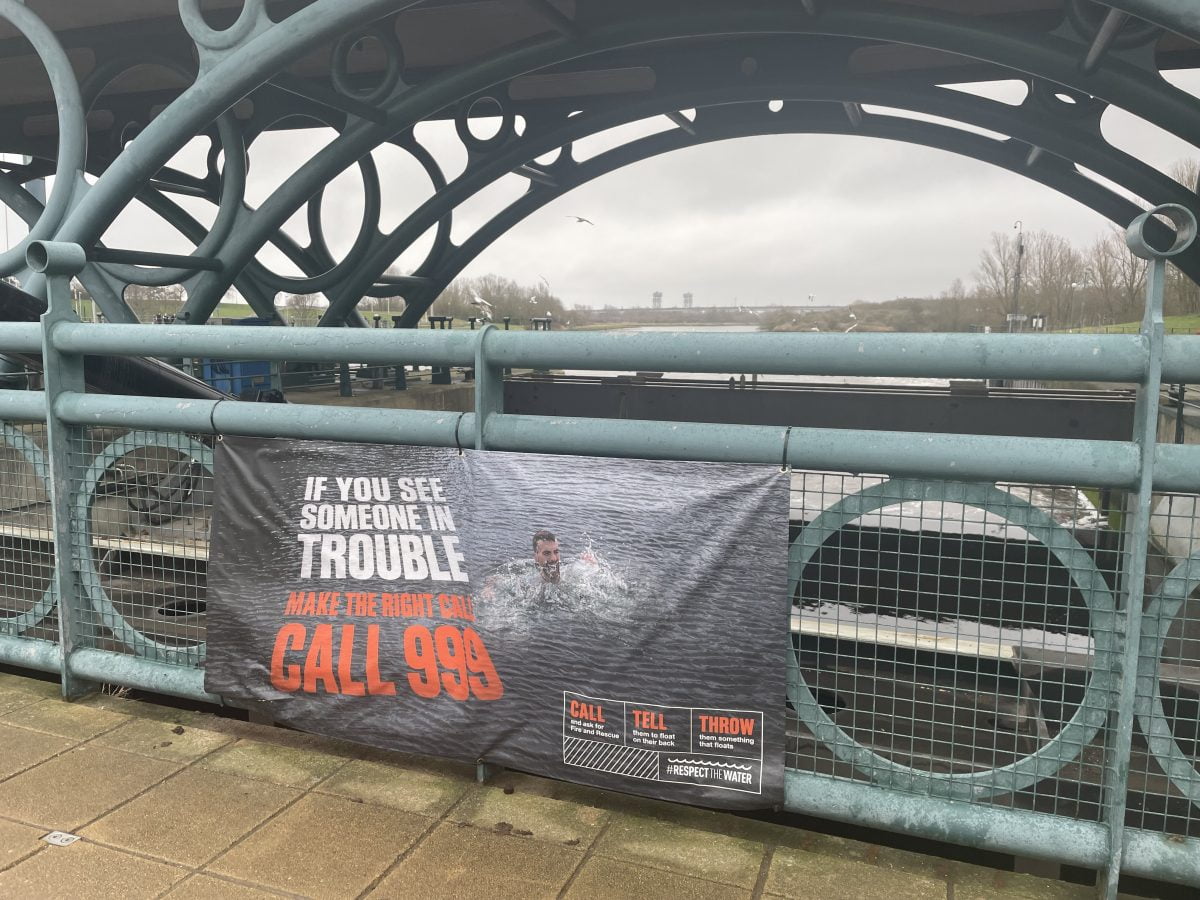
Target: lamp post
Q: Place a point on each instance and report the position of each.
(1016, 295)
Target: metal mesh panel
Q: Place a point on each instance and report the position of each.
(955, 640)
(140, 517)
(1164, 779)
(26, 534)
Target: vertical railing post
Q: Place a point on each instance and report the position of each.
(489, 385)
(63, 374)
(1137, 532)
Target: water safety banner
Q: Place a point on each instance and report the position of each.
(615, 622)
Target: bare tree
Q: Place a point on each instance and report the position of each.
(302, 309)
(997, 272)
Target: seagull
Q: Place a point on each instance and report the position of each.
(476, 300)
(579, 220)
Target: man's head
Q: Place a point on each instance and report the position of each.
(546, 555)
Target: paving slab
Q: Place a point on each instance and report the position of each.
(647, 807)
(979, 883)
(83, 871)
(461, 862)
(209, 887)
(291, 766)
(54, 716)
(686, 851)
(801, 873)
(13, 696)
(529, 815)
(610, 879)
(28, 685)
(164, 739)
(412, 790)
(18, 841)
(191, 817)
(158, 792)
(23, 748)
(323, 846)
(70, 790)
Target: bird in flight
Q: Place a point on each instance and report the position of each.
(579, 220)
(486, 307)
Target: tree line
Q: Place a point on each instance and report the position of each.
(1072, 287)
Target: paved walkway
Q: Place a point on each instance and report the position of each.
(188, 805)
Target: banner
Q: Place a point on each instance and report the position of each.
(615, 622)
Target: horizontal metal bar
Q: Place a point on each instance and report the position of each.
(1152, 854)
(20, 337)
(22, 406)
(378, 346)
(106, 667)
(957, 457)
(30, 654)
(1181, 359)
(1177, 467)
(984, 826)
(1149, 854)
(288, 420)
(1065, 357)
(147, 258)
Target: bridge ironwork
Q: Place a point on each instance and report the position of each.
(554, 74)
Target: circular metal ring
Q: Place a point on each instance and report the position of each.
(208, 37)
(191, 655)
(1185, 231)
(32, 453)
(72, 132)
(394, 54)
(232, 175)
(1152, 718)
(475, 144)
(1076, 734)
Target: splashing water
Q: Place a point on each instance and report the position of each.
(515, 594)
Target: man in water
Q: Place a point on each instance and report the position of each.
(546, 556)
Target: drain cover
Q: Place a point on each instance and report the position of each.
(60, 838)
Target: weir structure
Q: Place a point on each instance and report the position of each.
(1090, 725)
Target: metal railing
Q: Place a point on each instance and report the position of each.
(1045, 704)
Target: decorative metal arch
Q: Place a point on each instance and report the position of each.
(566, 71)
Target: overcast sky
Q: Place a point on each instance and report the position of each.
(753, 221)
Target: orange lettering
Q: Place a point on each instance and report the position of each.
(318, 665)
(290, 637)
(374, 685)
(345, 658)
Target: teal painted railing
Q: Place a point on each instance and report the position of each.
(1076, 785)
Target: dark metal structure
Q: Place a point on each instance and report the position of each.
(130, 83)
(104, 96)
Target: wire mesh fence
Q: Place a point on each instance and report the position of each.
(141, 522)
(27, 602)
(952, 640)
(961, 641)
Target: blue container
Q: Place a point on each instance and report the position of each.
(238, 377)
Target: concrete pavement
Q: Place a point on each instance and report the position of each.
(187, 805)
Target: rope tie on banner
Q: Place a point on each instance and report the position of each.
(783, 464)
(212, 418)
(457, 425)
